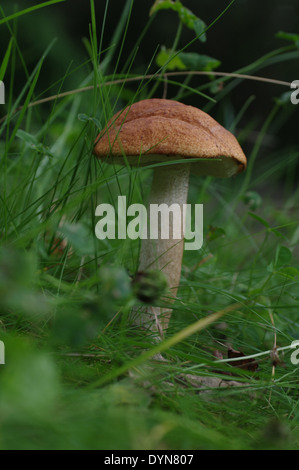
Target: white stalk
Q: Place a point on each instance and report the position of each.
(170, 186)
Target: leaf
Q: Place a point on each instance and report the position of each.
(33, 142)
(115, 284)
(215, 232)
(283, 256)
(246, 364)
(259, 219)
(163, 58)
(277, 233)
(5, 60)
(253, 199)
(199, 28)
(194, 61)
(289, 272)
(270, 269)
(85, 118)
(28, 366)
(186, 60)
(187, 17)
(284, 98)
(26, 137)
(161, 5)
(292, 37)
(78, 237)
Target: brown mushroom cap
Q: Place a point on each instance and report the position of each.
(156, 130)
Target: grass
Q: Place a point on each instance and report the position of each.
(77, 375)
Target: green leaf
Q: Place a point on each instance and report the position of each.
(277, 233)
(270, 269)
(5, 60)
(259, 219)
(187, 17)
(215, 232)
(33, 142)
(85, 118)
(28, 138)
(161, 5)
(194, 61)
(289, 272)
(292, 37)
(164, 57)
(115, 284)
(253, 199)
(78, 237)
(283, 256)
(28, 366)
(199, 28)
(284, 98)
(185, 60)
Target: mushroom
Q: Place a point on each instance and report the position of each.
(162, 130)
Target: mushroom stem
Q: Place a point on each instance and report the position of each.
(165, 252)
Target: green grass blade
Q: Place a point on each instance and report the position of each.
(5, 59)
(166, 344)
(29, 10)
(27, 101)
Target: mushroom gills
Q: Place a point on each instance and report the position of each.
(219, 167)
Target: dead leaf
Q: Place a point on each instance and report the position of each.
(245, 364)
